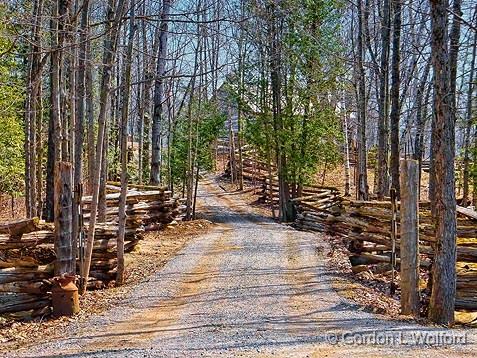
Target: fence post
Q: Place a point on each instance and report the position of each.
(65, 262)
(409, 250)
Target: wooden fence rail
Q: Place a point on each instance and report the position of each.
(27, 254)
(365, 227)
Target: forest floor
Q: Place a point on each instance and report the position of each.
(248, 287)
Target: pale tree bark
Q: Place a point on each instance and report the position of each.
(346, 149)
(159, 94)
(240, 96)
(454, 37)
(126, 82)
(468, 120)
(33, 116)
(442, 302)
(142, 73)
(79, 123)
(89, 111)
(114, 16)
(189, 173)
(55, 133)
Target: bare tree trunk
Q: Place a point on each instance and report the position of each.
(159, 94)
(421, 118)
(383, 123)
(124, 146)
(346, 150)
(54, 149)
(362, 187)
(50, 170)
(454, 51)
(102, 206)
(240, 99)
(442, 302)
(395, 105)
(142, 97)
(112, 29)
(189, 175)
(79, 124)
(468, 121)
(39, 149)
(89, 111)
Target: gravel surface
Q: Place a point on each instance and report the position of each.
(251, 287)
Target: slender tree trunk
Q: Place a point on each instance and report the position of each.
(102, 205)
(189, 173)
(55, 139)
(383, 123)
(362, 187)
(39, 149)
(468, 121)
(395, 85)
(89, 111)
(346, 150)
(421, 118)
(159, 95)
(454, 51)
(240, 99)
(112, 29)
(124, 144)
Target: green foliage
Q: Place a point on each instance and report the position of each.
(208, 123)
(308, 130)
(11, 110)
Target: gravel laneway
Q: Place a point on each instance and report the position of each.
(251, 287)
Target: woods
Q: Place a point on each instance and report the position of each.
(159, 93)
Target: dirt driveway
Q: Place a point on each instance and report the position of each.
(251, 288)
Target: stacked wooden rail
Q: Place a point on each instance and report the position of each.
(146, 211)
(258, 173)
(27, 253)
(26, 267)
(366, 228)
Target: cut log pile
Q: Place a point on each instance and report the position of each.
(26, 267)
(27, 254)
(146, 211)
(365, 227)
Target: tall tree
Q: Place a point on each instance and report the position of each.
(112, 27)
(442, 302)
(126, 82)
(383, 124)
(468, 118)
(159, 94)
(395, 99)
(362, 185)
